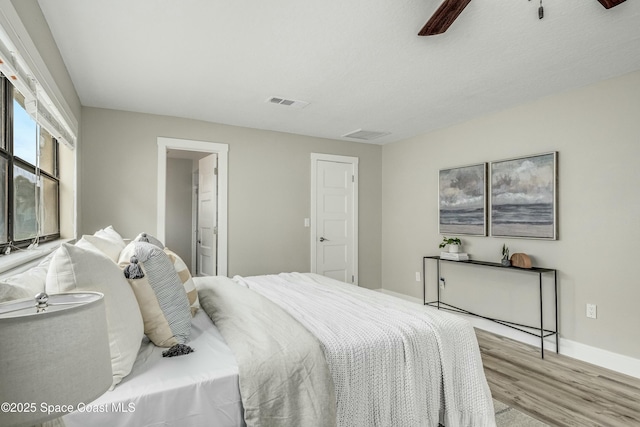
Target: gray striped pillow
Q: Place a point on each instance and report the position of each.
(161, 296)
(186, 279)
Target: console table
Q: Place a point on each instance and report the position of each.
(541, 331)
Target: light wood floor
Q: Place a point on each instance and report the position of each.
(558, 390)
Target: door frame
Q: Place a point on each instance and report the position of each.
(165, 144)
(194, 222)
(353, 161)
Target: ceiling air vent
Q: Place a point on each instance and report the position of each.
(287, 102)
(366, 135)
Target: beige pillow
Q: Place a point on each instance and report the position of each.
(76, 269)
(161, 296)
(186, 279)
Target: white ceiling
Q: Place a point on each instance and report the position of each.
(360, 64)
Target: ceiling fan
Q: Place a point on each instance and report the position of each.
(449, 10)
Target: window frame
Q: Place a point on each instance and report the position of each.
(6, 152)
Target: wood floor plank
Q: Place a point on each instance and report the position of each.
(567, 384)
(558, 390)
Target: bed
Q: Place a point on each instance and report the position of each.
(200, 389)
(305, 350)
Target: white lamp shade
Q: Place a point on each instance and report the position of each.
(52, 360)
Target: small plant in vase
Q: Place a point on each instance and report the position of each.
(505, 256)
(453, 242)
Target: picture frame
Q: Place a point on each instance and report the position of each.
(523, 197)
(462, 200)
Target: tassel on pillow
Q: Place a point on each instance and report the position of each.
(133, 270)
(177, 350)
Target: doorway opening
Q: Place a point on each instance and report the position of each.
(192, 202)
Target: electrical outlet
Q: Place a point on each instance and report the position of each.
(592, 311)
(417, 276)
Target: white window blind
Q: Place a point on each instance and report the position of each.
(39, 104)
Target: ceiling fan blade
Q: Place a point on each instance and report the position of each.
(445, 15)
(608, 4)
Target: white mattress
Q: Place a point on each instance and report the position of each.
(197, 389)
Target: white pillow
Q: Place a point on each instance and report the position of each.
(27, 284)
(77, 269)
(110, 233)
(99, 244)
(10, 293)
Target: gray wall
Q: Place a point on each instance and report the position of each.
(269, 187)
(596, 132)
(179, 226)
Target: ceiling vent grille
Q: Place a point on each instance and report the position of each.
(366, 135)
(287, 102)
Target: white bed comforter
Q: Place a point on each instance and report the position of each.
(393, 363)
(284, 379)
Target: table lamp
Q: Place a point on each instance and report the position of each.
(54, 354)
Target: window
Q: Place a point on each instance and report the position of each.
(29, 180)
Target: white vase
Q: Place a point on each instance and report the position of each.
(454, 249)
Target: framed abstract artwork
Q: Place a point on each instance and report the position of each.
(462, 200)
(523, 197)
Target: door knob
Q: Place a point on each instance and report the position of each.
(322, 239)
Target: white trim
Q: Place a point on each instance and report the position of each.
(76, 193)
(223, 159)
(597, 356)
(586, 353)
(353, 161)
(399, 295)
(194, 223)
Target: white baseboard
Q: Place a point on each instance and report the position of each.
(596, 356)
(399, 295)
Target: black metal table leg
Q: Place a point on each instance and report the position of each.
(438, 281)
(541, 318)
(555, 285)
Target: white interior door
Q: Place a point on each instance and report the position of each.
(335, 218)
(207, 216)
